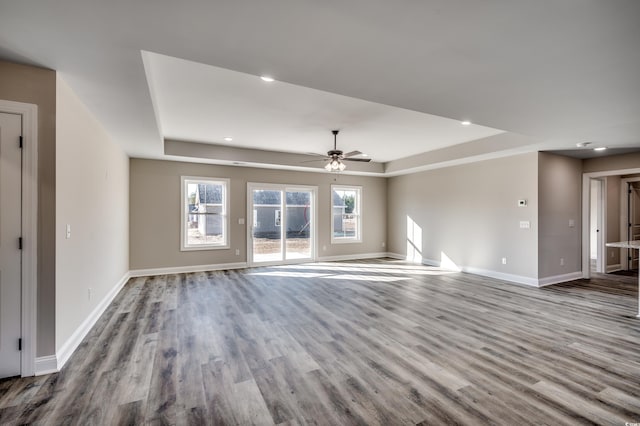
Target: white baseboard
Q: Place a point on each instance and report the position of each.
(352, 257)
(46, 365)
(67, 349)
(519, 279)
(396, 255)
(431, 262)
(556, 279)
(186, 269)
(486, 273)
(614, 268)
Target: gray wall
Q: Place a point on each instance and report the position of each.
(155, 211)
(20, 83)
(92, 184)
(559, 189)
(470, 213)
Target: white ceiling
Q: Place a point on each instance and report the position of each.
(559, 71)
(202, 103)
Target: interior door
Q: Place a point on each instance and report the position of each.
(10, 230)
(281, 224)
(634, 221)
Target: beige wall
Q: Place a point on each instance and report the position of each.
(155, 212)
(92, 184)
(613, 162)
(613, 219)
(470, 213)
(20, 83)
(559, 188)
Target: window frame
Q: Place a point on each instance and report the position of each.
(184, 212)
(358, 208)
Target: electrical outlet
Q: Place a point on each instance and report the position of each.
(324, 248)
(383, 244)
(562, 261)
(237, 252)
(504, 260)
(613, 254)
(241, 221)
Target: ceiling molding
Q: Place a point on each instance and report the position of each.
(223, 154)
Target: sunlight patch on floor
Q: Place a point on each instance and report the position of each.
(365, 278)
(290, 274)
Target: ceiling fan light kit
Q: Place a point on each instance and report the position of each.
(335, 166)
(337, 157)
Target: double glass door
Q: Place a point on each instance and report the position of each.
(281, 223)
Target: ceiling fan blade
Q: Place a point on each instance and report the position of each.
(313, 161)
(352, 154)
(363, 160)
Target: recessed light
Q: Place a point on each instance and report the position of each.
(228, 139)
(583, 144)
(601, 148)
(466, 123)
(365, 155)
(267, 78)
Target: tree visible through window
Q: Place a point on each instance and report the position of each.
(346, 223)
(204, 213)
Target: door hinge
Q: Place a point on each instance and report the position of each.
(20, 243)
(20, 141)
(20, 344)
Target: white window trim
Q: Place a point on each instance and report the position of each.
(347, 240)
(183, 213)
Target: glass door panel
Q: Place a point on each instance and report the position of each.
(298, 220)
(267, 224)
(282, 223)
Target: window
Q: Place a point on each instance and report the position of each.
(204, 214)
(346, 214)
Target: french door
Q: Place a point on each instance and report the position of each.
(282, 223)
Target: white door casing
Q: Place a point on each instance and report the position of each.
(10, 232)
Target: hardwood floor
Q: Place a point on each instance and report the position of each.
(372, 342)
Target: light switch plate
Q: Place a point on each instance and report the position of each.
(525, 224)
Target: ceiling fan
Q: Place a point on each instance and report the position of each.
(335, 157)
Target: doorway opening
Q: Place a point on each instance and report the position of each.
(596, 226)
(633, 222)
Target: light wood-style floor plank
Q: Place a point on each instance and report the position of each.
(377, 342)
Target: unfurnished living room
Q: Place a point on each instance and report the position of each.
(361, 212)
